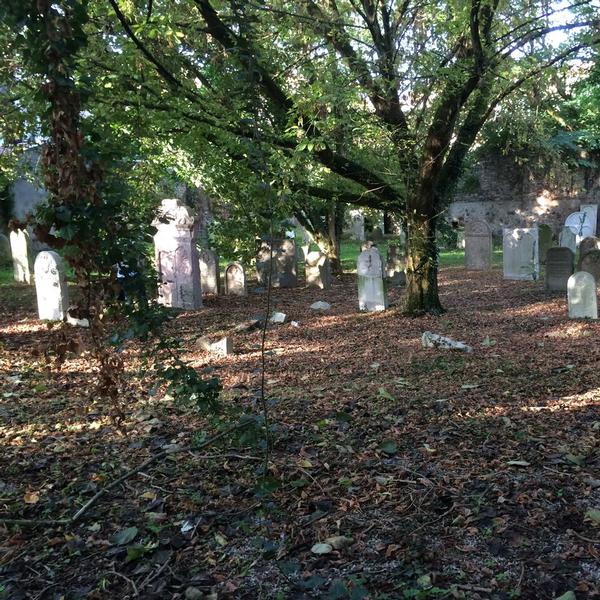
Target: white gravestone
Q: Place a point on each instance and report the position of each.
(372, 294)
(478, 246)
(567, 239)
(358, 225)
(209, 271)
(20, 248)
(394, 267)
(177, 260)
(591, 215)
(520, 253)
(235, 280)
(317, 269)
(580, 224)
(581, 295)
(51, 286)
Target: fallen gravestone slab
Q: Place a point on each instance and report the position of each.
(278, 317)
(320, 305)
(222, 347)
(433, 340)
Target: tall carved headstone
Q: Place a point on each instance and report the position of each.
(372, 293)
(209, 271)
(520, 253)
(176, 256)
(559, 267)
(358, 225)
(283, 269)
(5, 253)
(590, 262)
(51, 286)
(235, 280)
(582, 297)
(22, 256)
(394, 267)
(478, 245)
(568, 239)
(545, 240)
(317, 269)
(591, 215)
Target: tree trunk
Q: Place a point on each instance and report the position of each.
(421, 265)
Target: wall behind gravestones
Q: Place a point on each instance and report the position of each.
(503, 194)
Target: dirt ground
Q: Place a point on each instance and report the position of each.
(438, 474)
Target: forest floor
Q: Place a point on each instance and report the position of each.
(396, 471)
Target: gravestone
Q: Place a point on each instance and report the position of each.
(545, 240)
(318, 270)
(372, 294)
(394, 267)
(580, 224)
(591, 215)
(460, 239)
(177, 260)
(559, 267)
(235, 280)
(22, 256)
(478, 245)
(209, 271)
(581, 296)
(5, 253)
(358, 225)
(520, 256)
(51, 286)
(284, 271)
(591, 263)
(377, 234)
(587, 245)
(568, 239)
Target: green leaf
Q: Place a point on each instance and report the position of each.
(135, 552)
(567, 596)
(124, 536)
(321, 548)
(593, 514)
(385, 394)
(389, 447)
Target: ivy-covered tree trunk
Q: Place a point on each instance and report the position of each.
(421, 264)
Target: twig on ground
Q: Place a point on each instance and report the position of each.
(129, 581)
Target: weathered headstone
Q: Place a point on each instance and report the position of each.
(372, 294)
(394, 267)
(209, 271)
(545, 241)
(581, 296)
(590, 262)
(591, 215)
(51, 286)
(520, 253)
(284, 271)
(377, 234)
(587, 245)
(5, 253)
(568, 239)
(559, 267)
(22, 256)
(478, 245)
(358, 225)
(176, 255)
(235, 280)
(460, 239)
(317, 268)
(580, 224)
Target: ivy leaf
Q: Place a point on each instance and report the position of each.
(389, 447)
(124, 536)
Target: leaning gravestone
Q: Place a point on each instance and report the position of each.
(209, 271)
(591, 263)
(5, 253)
(317, 269)
(478, 246)
(545, 240)
(235, 280)
(591, 215)
(581, 296)
(394, 267)
(587, 245)
(176, 255)
(559, 267)
(372, 294)
(51, 286)
(20, 247)
(520, 253)
(283, 265)
(568, 239)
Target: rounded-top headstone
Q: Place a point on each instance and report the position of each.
(588, 244)
(51, 286)
(235, 280)
(591, 263)
(581, 296)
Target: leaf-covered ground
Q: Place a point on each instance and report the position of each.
(437, 474)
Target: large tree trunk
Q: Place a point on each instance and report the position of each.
(421, 265)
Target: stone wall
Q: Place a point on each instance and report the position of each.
(505, 194)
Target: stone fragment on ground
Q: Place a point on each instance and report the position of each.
(434, 340)
(320, 305)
